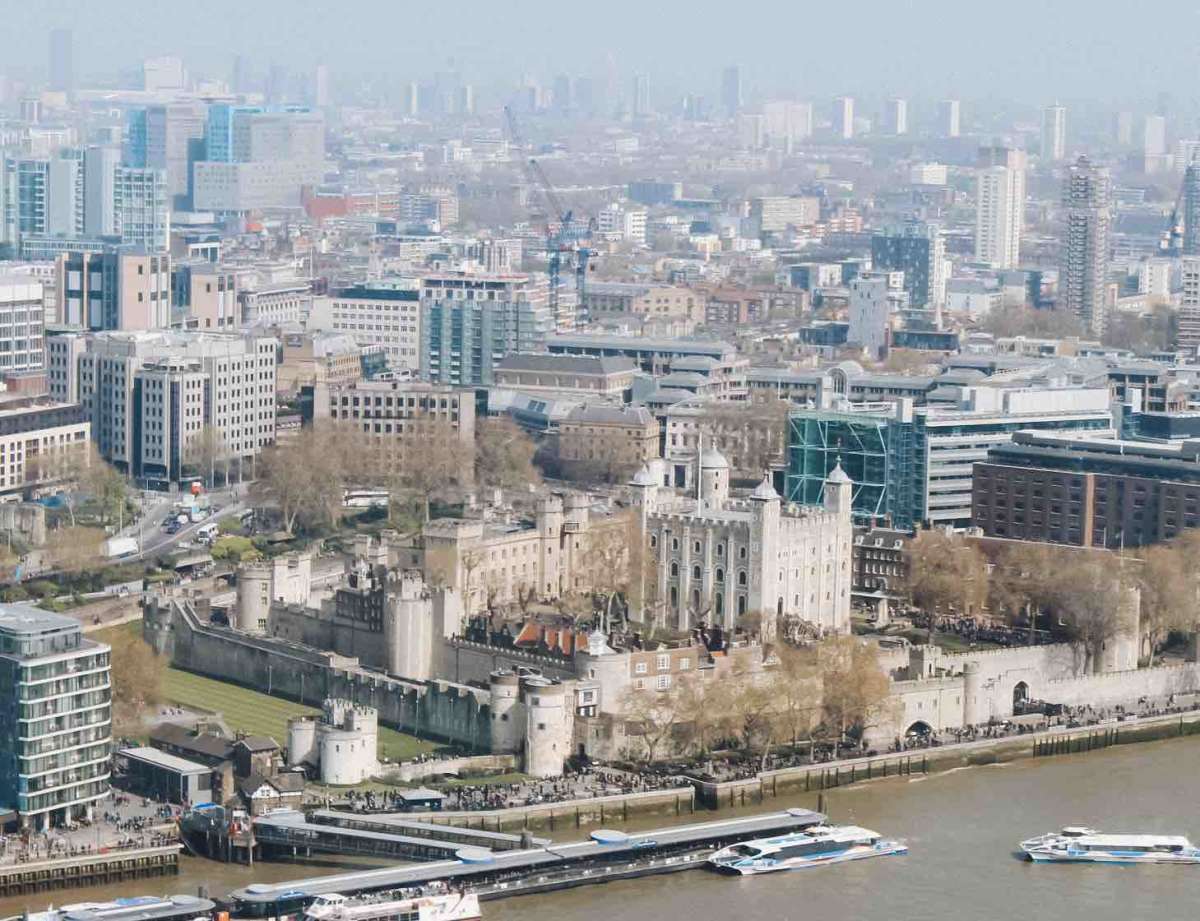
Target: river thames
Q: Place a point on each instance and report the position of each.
(962, 828)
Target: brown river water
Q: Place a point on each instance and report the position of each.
(961, 827)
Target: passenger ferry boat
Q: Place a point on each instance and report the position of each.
(400, 905)
(1076, 844)
(813, 847)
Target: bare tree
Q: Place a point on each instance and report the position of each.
(307, 477)
(1091, 599)
(653, 716)
(504, 456)
(1168, 584)
(1027, 321)
(945, 571)
(205, 451)
(75, 549)
(854, 687)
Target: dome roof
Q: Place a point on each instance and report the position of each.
(838, 475)
(713, 459)
(764, 491)
(643, 478)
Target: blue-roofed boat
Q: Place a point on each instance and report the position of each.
(1076, 844)
(813, 847)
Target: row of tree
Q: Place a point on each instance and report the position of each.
(1086, 596)
(828, 693)
(307, 477)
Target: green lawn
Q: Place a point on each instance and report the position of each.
(260, 714)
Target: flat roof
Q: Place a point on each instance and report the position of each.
(26, 620)
(516, 861)
(139, 908)
(153, 756)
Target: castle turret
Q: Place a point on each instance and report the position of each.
(253, 598)
(408, 627)
(548, 726)
(714, 477)
(508, 724)
(576, 509)
(839, 490)
(302, 741)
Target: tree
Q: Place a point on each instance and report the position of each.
(1168, 586)
(307, 478)
(428, 458)
(945, 571)
(504, 456)
(603, 566)
(205, 450)
(854, 687)
(796, 685)
(652, 715)
(1023, 578)
(75, 549)
(1142, 333)
(137, 677)
(1033, 323)
(1091, 600)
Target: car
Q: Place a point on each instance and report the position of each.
(173, 527)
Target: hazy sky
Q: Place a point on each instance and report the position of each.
(1031, 50)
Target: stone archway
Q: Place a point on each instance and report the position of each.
(1020, 695)
(920, 729)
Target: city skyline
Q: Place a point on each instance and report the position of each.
(1057, 57)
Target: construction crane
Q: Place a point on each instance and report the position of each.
(566, 237)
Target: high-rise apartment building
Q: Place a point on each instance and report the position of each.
(140, 207)
(1188, 334)
(999, 206)
(1191, 210)
(875, 298)
(843, 117)
(57, 734)
(731, 90)
(470, 322)
(100, 166)
(917, 249)
(950, 119)
(1154, 136)
(787, 122)
(1084, 248)
(1054, 133)
(1123, 129)
(896, 117)
(62, 61)
(641, 96)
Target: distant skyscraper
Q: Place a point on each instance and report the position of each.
(99, 175)
(843, 117)
(1123, 129)
(240, 80)
(1154, 136)
(731, 90)
(320, 94)
(641, 96)
(466, 99)
(1191, 210)
(166, 138)
(1054, 133)
(1083, 271)
(412, 100)
(897, 117)
(999, 206)
(563, 103)
(62, 60)
(951, 118)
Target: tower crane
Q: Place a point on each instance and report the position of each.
(567, 237)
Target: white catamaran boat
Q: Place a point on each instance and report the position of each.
(1076, 844)
(404, 905)
(813, 847)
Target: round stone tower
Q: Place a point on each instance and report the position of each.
(408, 627)
(575, 509)
(547, 727)
(301, 741)
(508, 724)
(253, 597)
(714, 477)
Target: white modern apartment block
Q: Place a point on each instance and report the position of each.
(22, 326)
(843, 117)
(896, 120)
(999, 206)
(951, 118)
(57, 737)
(386, 313)
(617, 221)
